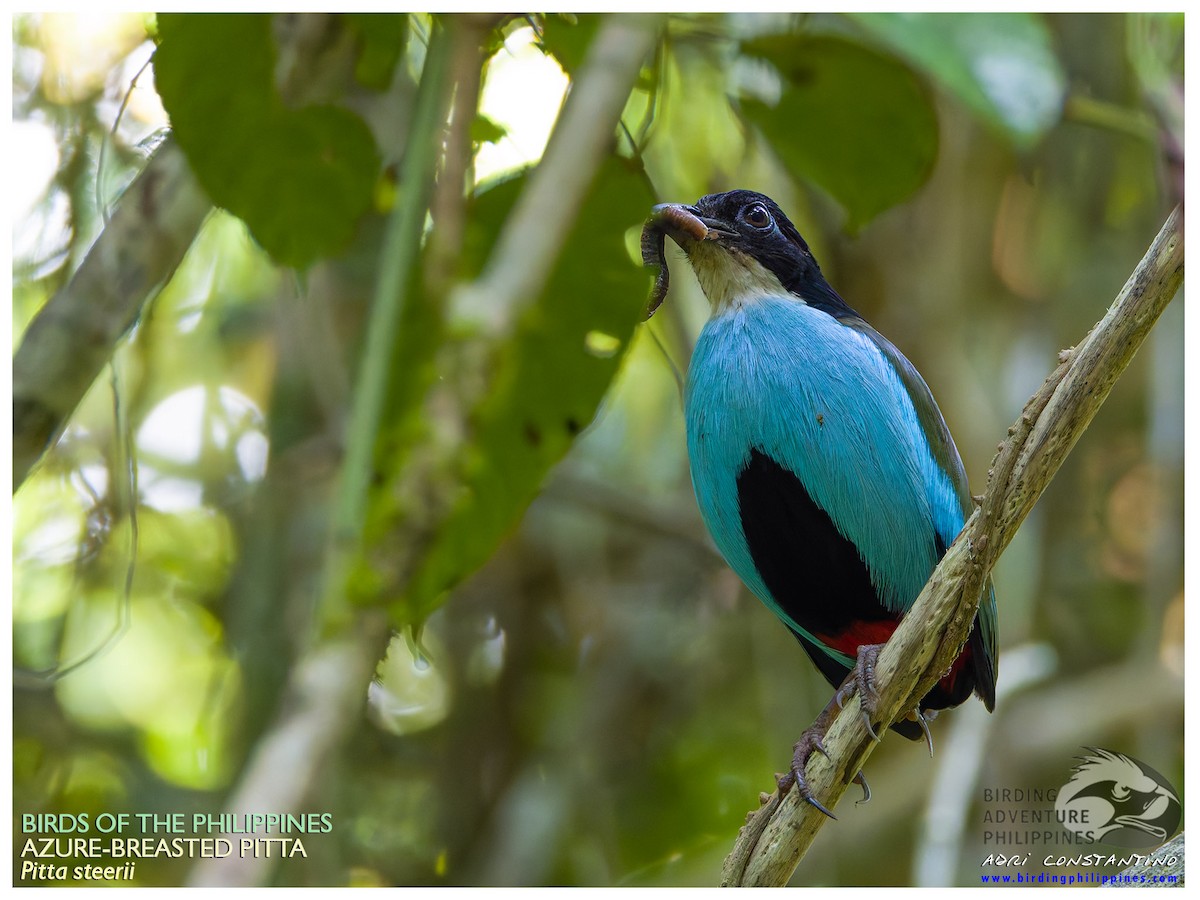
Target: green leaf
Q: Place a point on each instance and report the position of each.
(299, 178)
(1002, 66)
(857, 123)
(547, 381)
(485, 130)
(567, 36)
(383, 36)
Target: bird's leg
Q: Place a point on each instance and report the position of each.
(861, 680)
(812, 741)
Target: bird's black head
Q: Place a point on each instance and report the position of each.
(741, 244)
(753, 224)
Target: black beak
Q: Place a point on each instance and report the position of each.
(718, 229)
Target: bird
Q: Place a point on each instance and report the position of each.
(820, 461)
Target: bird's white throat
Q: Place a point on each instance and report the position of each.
(731, 279)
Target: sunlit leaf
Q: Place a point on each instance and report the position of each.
(857, 123)
(1001, 65)
(300, 178)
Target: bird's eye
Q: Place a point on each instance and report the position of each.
(756, 216)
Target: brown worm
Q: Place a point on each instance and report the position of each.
(680, 223)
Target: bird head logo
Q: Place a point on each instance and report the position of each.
(1115, 799)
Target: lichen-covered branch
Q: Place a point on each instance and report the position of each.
(771, 845)
(1164, 863)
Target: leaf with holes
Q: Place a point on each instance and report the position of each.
(548, 379)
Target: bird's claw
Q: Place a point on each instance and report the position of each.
(861, 681)
(819, 747)
(861, 780)
(811, 741)
(866, 719)
(923, 721)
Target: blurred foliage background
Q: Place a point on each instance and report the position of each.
(590, 697)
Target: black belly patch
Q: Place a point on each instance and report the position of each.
(817, 577)
(814, 574)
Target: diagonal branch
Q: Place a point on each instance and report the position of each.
(534, 234)
(74, 335)
(770, 847)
